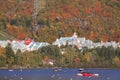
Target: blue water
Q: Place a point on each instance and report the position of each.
(63, 74)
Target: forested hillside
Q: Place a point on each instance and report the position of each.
(94, 19)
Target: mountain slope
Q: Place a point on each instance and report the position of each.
(4, 36)
(94, 19)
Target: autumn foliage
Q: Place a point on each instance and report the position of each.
(93, 19)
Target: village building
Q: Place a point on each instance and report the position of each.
(80, 43)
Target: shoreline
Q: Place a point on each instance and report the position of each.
(3, 68)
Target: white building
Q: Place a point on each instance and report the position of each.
(82, 42)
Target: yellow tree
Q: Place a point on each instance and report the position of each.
(116, 61)
(2, 57)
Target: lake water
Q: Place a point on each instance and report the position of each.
(63, 74)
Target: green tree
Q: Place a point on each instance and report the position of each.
(10, 56)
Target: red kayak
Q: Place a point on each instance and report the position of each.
(87, 74)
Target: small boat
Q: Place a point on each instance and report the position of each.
(56, 69)
(81, 69)
(87, 74)
(10, 70)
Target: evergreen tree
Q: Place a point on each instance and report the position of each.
(10, 56)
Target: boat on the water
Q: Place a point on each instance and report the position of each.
(56, 69)
(87, 74)
(10, 70)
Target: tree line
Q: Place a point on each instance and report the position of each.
(65, 56)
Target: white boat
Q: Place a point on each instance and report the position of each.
(10, 70)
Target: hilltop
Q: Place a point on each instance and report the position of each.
(94, 19)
